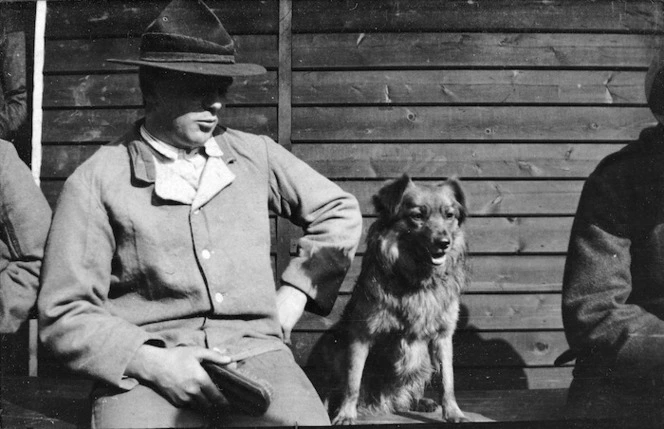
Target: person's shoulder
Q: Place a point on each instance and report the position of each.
(107, 161)
(244, 144)
(7, 150)
(643, 156)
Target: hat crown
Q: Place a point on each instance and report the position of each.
(188, 37)
(188, 28)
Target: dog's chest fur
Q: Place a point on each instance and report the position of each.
(417, 315)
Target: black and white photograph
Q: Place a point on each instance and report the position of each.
(373, 213)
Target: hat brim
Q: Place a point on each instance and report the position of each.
(206, 69)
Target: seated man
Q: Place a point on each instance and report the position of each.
(24, 220)
(613, 287)
(159, 254)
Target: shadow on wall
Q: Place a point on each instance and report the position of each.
(482, 364)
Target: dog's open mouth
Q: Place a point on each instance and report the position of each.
(437, 257)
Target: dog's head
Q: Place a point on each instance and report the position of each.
(424, 221)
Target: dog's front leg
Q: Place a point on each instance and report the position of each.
(358, 351)
(443, 355)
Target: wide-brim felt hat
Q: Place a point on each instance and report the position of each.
(188, 37)
(654, 85)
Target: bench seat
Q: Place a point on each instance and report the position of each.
(62, 403)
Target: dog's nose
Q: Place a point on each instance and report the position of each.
(443, 243)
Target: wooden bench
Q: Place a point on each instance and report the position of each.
(62, 403)
(31, 402)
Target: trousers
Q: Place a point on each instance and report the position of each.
(295, 402)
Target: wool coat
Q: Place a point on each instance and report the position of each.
(124, 267)
(25, 217)
(613, 287)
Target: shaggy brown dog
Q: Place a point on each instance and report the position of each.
(405, 305)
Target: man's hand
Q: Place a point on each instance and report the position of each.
(290, 306)
(177, 374)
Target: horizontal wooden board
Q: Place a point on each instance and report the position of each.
(490, 312)
(100, 18)
(91, 54)
(428, 50)
(500, 197)
(467, 86)
(487, 15)
(389, 161)
(542, 273)
(517, 405)
(512, 378)
(466, 160)
(67, 126)
(519, 235)
(503, 198)
(509, 235)
(471, 349)
(437, 123)
(118, 90)
(498, 273)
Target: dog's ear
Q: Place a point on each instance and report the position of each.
(459, 195)
(388, 200)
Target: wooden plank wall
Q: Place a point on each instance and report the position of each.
(520, 99)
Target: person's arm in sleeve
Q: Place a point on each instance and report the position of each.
(25, 217)
(13, 111)
(598, 282)
(74, 317)
(331, 222)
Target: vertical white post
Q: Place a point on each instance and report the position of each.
(37, 115)
(38, 88)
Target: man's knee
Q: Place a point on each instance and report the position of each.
(140, 407)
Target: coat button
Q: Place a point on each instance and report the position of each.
(205, 254)
(219, 298)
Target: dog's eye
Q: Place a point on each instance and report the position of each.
(417, 216)
(449, 214)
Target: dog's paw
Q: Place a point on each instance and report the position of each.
(343, 420)
(345, 416)
(425, 405)
(453, 414)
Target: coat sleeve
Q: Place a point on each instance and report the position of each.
(25, 217)
(597, 314)
(330, 220)
(76, 321)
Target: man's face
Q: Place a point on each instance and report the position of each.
(183, 111)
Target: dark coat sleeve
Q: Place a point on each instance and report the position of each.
(25, 217)
(598, 316)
